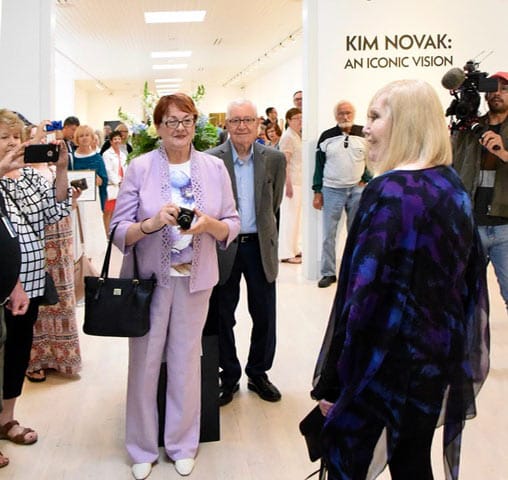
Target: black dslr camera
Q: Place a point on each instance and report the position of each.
(465, 85)
(185, 217)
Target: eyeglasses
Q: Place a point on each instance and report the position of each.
(123, 131)
(346, 141)
(174, 123)
(237, 121)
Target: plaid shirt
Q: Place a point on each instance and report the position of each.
(37, 199)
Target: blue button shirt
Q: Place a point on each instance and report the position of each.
(244, 174)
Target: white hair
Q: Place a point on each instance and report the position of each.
(240, 102)
(340, 103)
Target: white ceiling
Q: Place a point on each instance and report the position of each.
(109, 42)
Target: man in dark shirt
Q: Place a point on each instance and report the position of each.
(69, 127)
(482, 164)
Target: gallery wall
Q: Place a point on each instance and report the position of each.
(350, 52)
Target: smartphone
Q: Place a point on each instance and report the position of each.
(46, 152)
(54, 125)
(81, 184)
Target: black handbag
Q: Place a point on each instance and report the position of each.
(311, 427)
(117, 307)
(50, 295)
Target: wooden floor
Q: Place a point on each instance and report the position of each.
(81, 421)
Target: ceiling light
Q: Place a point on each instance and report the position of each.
(168, 80)
(173, 54)
(175, 16)
(170, 66)
(172, 87)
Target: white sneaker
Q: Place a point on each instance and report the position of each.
(141, 470)
(184, 466)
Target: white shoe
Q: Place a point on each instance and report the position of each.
(184, 466)
(141, 470)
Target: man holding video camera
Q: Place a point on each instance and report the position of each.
(482, 163)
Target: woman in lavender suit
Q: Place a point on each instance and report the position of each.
(155, 187)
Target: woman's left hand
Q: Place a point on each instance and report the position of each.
(324, 406)
(207, 224)
(76, 193)
(18, 300)
(201, 225)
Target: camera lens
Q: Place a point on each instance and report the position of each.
(184, 218)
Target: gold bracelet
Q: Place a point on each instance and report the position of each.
(148, 233)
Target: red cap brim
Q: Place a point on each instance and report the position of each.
(501, 75)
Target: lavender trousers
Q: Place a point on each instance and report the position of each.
(177, 321)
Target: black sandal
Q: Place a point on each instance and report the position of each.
(36, 376)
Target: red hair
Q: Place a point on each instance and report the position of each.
(180, 100)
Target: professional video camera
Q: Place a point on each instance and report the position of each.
(465, 85)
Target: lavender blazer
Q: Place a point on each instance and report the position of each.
(145, 188)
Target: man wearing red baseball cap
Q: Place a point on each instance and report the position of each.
(482, 163)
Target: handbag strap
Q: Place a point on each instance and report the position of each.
(107, 257)
(321, 472)
(80, 227)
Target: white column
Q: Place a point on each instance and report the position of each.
(311, 227)
(27, 57)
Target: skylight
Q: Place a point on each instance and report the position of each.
(175, 16)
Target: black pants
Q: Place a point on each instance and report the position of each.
(411, 456)
(17, 348)
(352, 449)
(261, 305)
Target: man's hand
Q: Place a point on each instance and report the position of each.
(289, 190)
(317, 201)
(493, 142)
(18, 300)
